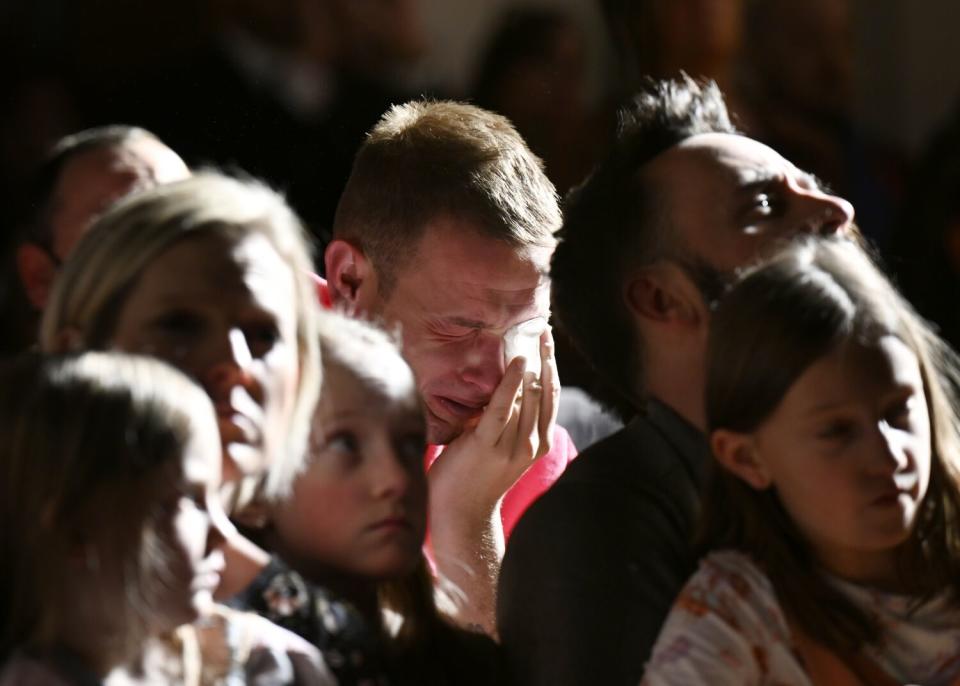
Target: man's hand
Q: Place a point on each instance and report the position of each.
(471, 476)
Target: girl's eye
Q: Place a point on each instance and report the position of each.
(837, 430)
(342, 442)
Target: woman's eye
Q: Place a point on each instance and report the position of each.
(898, 414)
(261, 336)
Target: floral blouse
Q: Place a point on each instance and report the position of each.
(350, 647)
(727, 627)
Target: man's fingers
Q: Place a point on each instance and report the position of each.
(528, 438)
(550, 395)
(501, 406)
(508, 438)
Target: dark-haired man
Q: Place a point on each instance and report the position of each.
(445, 229)
(680, 203)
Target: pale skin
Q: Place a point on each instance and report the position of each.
(454, 299)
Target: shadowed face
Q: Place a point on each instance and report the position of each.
(191, 527)
(223, 311)
(848, 451)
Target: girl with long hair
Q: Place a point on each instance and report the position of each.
(830, 523)
(110, 534)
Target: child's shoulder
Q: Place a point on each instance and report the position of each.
(730, 574)
(729, 586)
(726, 627)
(232, 641)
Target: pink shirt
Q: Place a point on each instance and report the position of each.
(535, 480)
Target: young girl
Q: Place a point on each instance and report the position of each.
(110, 524)
(354, 524)
(833, 516)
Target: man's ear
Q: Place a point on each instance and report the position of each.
(37, 272)
(738, 454)
(351, 278)
(661, 293)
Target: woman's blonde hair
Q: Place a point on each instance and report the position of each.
(778, 320)
(83, 441)
(104, 268)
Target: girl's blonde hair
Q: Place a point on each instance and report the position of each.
(778, 320)
(83, 441)
(414, 610)
(104, 268)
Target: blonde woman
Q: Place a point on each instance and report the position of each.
(211, 274)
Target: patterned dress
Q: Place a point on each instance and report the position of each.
(351, 648)
(727, 627)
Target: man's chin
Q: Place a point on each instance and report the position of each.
(441, 431)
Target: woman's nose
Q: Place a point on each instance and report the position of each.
(228, 365)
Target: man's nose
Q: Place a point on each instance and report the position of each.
(229, 364)
(825, 214)
(482, 365)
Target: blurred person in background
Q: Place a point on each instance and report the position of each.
(81, 177)
(799, 101)
(284, 90)
(533, 72)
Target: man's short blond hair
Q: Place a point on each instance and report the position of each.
(429, 159)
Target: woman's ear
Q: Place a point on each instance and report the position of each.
(738, 454)
(351, 278)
